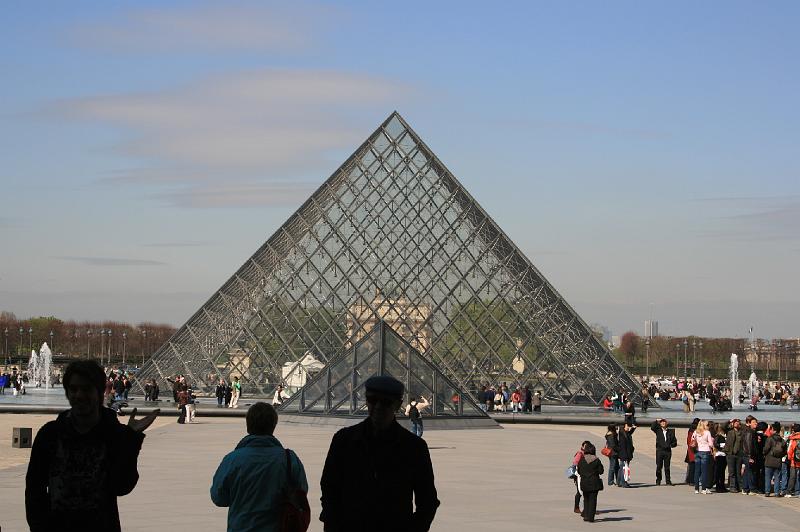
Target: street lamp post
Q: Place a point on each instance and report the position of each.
(677, 358)
(102, 345)
(685, 360)
(88, 343)
(647, 360)
(19, 346)
(769, 359)
(144, 345)
(110, 332)
(30, 338)
(700, 346)
(52, 343)
(124, 337)
(8, 358)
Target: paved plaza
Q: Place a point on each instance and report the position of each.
(487, 479)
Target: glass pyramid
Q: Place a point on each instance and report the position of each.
(339, 388)
(392, 236)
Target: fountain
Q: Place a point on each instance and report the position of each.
(751, 386)
(39, 367)
(33, 368)
(734, 375)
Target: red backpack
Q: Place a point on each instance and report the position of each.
(295, 511)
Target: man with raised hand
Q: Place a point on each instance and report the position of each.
(85, 459)
(665, 442)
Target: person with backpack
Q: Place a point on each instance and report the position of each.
(413, 412)
(255, 480)
(774, 451)
(589, 470)
(576, 477)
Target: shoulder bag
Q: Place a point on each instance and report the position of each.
(295, 511)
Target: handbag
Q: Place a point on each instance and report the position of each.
(295, 511)
(606, 451)
(571, 472)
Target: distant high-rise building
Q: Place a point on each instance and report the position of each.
(650, 328)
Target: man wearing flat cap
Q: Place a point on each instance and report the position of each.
(377, 471)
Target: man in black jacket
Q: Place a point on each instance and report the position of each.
(665, 441)
(377, 470)
(81, 462)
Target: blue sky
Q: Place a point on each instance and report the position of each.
(643, 155)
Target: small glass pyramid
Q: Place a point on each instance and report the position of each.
(338, 390)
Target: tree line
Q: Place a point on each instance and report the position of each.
(73, 339)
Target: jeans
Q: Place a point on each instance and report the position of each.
(748, 482)
(772, 474)
(793, 481)
(416, 428)
(734, 473)
(613, 469)
(784, 476)
(701, 459)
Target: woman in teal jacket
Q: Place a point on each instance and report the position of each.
(252, 479)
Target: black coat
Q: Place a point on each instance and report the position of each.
(372, 482)
(74, 479)
(626, 445)
(612, 442)
(590, 474)
(663, 444)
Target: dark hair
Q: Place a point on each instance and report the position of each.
(748, 419)
(776, 426)
(796, 427)
(612, 428)
(89, 370)
(762, 426)
(261, 419)
(589, 448)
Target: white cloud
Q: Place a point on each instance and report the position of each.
(240, 139)
(229, 26)
(272, 120)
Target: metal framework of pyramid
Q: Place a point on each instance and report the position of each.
(338, 389)
(392, 236)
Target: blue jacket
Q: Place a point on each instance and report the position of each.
(250, 481)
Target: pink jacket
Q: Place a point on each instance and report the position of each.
(705, 442)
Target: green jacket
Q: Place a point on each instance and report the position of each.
(733, 443)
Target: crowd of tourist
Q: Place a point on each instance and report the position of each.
(718, 392)
(503, 399)
(13, 382)
(752, 458)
